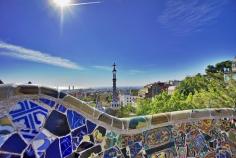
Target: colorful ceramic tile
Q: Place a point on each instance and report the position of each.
(53, 150)
(14, 144)
(135, 149)
(27, 114)
(48, 102)
(111, 139)
(3, 138)
(92, 152)
(125, 152)
(5, 126)
(158, 136)
(73, 155)
(60, 108)
(77, 136)
(66, 146)
(68, 134)
(42, 142)
(90, 126)
(112, 152)
(57, 124)
(6, 129)
(75, 119)
(161, 148)
(28, 134)
(84, 146)
(29, 153)
(199, 142)
(137, 122)
(99, 134)
(2, 155)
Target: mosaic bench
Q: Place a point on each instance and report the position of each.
(44, 123)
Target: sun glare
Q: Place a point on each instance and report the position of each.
(62, 3)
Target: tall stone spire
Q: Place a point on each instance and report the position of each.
(115, 102)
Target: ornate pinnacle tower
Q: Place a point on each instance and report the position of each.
(115, 103)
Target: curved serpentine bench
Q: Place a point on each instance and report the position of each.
(42, 122)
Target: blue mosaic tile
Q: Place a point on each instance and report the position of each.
(27, 114)
(75, 120)
(111, 139)
(50, 103)
(14, 144)
(2, 155)
(6, 129)
(53, 150)
(3, 139)
(57, 124)
(66, 146)
(90, 126)
(28, 134)
(29, 153)
(135, 149)
(223, 154)
(41, 142)
(77, 136)
(43, 155)
(111, 153)
(60, 108)
(73, 155)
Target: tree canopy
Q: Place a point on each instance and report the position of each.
(195, 92)
(219, 67)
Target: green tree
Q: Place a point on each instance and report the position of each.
(126, 111)
(224, 64)
(193, 84)
(219, 67)
(143, 107)
(211, 69)
(196, 92)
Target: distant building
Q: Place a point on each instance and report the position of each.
(115, 100)
(171, 89)
(230, 73)
(174, 82)
(126, 99)
(172, 86)
(153, 89)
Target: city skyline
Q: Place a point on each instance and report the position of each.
(154, 41)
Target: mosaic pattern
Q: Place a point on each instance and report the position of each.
(45, 129)
(27, 114)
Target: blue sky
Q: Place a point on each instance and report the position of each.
(150, 40)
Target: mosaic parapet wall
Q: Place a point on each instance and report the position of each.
(44, 123)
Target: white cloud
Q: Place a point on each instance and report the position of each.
(135, 72)
(104, 68)
(183, 16)
(35, 56)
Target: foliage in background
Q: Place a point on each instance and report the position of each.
(126, 111)
(200, 91)
(219, 67)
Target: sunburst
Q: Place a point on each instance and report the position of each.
(62, 3)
